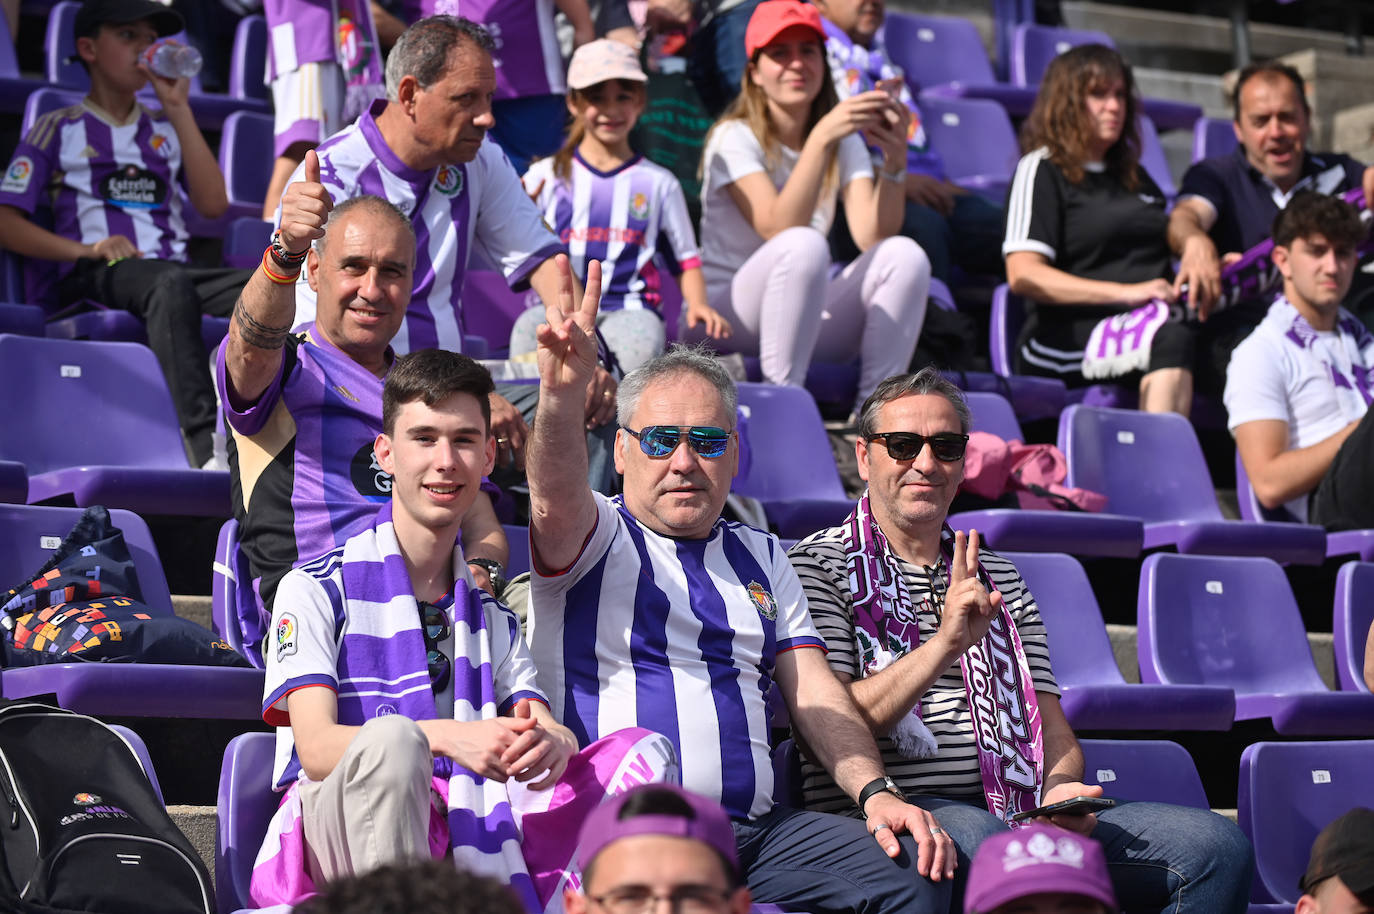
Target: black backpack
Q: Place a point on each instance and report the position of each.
(81, 828)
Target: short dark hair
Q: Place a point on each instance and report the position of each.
(427, 887)
(1269, 69)
(926, 381)
(423, 50)
(1311, 213)
(655, 801)
(432, 376)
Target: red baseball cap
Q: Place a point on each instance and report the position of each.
(771, 17)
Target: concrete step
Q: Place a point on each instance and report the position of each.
(197, 823)
(194, 607)
(1123, 638)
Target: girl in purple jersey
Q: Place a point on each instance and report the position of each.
(610, 204)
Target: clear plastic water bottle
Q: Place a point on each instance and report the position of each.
(172, 59)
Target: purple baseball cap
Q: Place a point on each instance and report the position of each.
(1035, 859)
(709, 824)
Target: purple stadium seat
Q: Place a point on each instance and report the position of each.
(1095, 695)
(82, 442)
(1036, 530)
(49, 98)
(787, 785)
(248, 64)
(1212, 136)
(113, 326)
(245, 242)
(977, 141)
(1211, 620)
(1153, 770)
(943, 56)
(1150, 466)
(1288, 793)
(1007, 316)
(14, 483)
(1354, 613)
(1152, 159)
(14, 87)
(141, 750)
(490, 308)
(245, 148)
(24, 320)
(792, 469)
(233, 608)
(1030, 398)
(1338, 543)
(246, 806)
(28, 535)
(519, 539)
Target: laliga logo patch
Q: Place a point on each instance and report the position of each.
(17, 178)
(85, 799)
(286, 636)
(763, 600)
(448, 180)
(639, 206)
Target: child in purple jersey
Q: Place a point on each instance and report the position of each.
(112, 171)
(610, 204)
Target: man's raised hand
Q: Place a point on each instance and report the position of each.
(567, 338)
(305, 207)
(968, 605)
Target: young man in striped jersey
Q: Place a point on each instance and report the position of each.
(917, 619)
(651, 610)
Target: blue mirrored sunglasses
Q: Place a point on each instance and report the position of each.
(661, 440)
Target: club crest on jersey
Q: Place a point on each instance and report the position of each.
(449, 180)
(160, 145)
(286, 636)
(18, 176)
(639, 206)
(763, 600)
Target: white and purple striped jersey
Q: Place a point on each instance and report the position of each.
(102, 178)
(527, 57)
(621, 218)
(677, 636)
(455, 208)
(298, 32)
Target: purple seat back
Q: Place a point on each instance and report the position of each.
(1350, 624)
(141, 750)
(246, 806)
(248, 65)
(936, 49)
(1152, 158)
(993, 414)
(790, 451)
(976, 139)
(1034, 46)
(1250, 507)
(490, 308)
(1289, 792)
(30, 533)
(1151, 770)
(1149, 465)
(59, 393)
(45, 100)
(245, 148)
(247, 238)
(519, 539)
(1222, 620)
(1080, 650)
(14, 483)
(1212, 136)
(1004, 324)
(233, 605)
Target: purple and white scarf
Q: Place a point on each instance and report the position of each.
(359, 55)
(997, 680)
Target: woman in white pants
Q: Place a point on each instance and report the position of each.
(774, 166)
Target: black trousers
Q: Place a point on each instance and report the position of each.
(169, 298)
(1344, 499)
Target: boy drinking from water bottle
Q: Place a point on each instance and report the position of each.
(116, 176)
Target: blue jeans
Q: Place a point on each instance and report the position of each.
(718, 59)
(969, 237)
(815, 861)
(1161, 858)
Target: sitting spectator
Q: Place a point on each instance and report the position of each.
(1298, 389)
(915, 616)
(775, 164)
(658, 842)
(1228, 203)
(425, 149)
(950, 224)
(112, 171)
(611, 205)
(1085, 231)
(649, 609)
(430, 887)
(528, 103)
(1340, 872)
(324, 66)
(1039, 869)
(403, 696)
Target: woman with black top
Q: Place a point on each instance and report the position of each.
(1085, 235)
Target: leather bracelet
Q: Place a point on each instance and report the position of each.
(284, 258)
(280, 279)
(875, 787)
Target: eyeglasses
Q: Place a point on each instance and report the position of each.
(685, 899)
(661, 440)
(434, 623)
(946, 446)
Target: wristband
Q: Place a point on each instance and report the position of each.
(896, 177)
(877, 786)
(495, 572)
(284, 258)
(280, 279)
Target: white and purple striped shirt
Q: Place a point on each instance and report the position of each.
(455, 208)
(299, 31)
(102, 178)
(621, 218)
(678, 636)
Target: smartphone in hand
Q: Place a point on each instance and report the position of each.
(1073, 806)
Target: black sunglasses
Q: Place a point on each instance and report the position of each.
(946, 446)
(434, 623)
(661, 440)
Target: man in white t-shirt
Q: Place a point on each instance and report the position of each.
(1298, 389)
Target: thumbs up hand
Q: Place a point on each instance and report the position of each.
(304, 208)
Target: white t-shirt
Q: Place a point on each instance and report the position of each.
(1318, 382)
(727, 238)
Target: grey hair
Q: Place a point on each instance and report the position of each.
(926, 381)
(679, 359)
(373, 203)
(423, 50)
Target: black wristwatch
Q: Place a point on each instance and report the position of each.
(494, 571)
(876, 786)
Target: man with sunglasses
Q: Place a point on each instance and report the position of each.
(650, 610)
(403, 695)
(942, 648)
